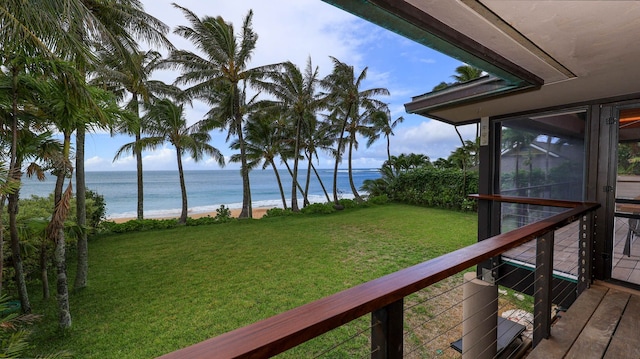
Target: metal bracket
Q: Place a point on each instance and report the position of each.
(612, 121)
(607, 188)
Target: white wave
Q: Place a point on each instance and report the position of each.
(175, 212)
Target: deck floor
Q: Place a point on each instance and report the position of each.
(603, 322)
(565, 260)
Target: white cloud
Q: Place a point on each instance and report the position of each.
(432, 138)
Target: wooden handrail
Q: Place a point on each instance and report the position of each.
(281, 332)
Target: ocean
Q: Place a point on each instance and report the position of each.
(206, 190)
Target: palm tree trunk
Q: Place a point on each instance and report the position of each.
(286, 164)
(294, 176)
(82, 265)
(140, 182)
(3, 199)
(138, 154)
(183, 188)
(356, 195)
(247, 211)
(338, 159)
(321, 184)
(388, 148)
(56, 234)
(275, 170)
(44, 275)
(14, 171)
(306, 186)
(15, 254)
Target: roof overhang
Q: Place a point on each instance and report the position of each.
(544, 54)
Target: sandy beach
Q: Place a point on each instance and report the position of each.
(258, 212)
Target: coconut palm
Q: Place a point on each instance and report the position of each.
(350, 107)
(263, 142)
(383, 125)
(222, 70)
(117, 25)
(466, 73)
(132, 81)
(297, 98)
(165, 122)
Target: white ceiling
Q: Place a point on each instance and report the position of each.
(582, 50)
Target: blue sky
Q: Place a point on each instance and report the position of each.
(294, 30)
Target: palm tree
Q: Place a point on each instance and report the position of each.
(384, 125)
(263, 141)
(466, 73)
(116, 25)
(165, 122)
(298, 100)
(350, 107)
(223, 70)
(131, 80)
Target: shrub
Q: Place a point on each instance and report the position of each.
(318, 208)
(277, 212)
(381, 199)
(223, 214)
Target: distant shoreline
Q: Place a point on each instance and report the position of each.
(235, 212)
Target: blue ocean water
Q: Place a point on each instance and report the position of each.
(206, 190)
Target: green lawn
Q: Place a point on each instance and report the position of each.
(154, 292)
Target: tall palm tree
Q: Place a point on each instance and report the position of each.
(117, 25)
(350, 107)
(132, 81)
(222, 70)
(68, 112)
(165, 122)
(298, 100)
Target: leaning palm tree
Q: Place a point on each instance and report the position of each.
(223, 69)
(349, 106)
(165, 122)
(297, 98)
(383, 125)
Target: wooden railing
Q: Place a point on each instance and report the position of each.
(382, 297)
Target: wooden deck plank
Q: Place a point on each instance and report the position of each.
(595, 337)
(625, 343)
(565, 332)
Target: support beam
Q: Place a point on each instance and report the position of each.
(387, 331)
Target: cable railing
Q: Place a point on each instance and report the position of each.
(404, 319)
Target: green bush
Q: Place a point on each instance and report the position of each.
(348, 203)
(318, 208)
(381, 199)
(278, 212)
(434, 187)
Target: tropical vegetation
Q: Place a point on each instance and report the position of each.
(67, 68)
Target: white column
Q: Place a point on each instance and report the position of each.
(480, 318)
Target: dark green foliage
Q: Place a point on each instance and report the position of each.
(223, 214)
(278, 212)
(319, 208)
(96, 209)
(444, 188)
(349, 203)
(136, 225)
(381, 199)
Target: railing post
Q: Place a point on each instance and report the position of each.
(585, 251)
(543, 288)
(387, 326)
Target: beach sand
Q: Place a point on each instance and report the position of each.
(258, 212)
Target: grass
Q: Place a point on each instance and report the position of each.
(154, 292)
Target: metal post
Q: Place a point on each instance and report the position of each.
(543, 288)
(585, 255)
(387, 331)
